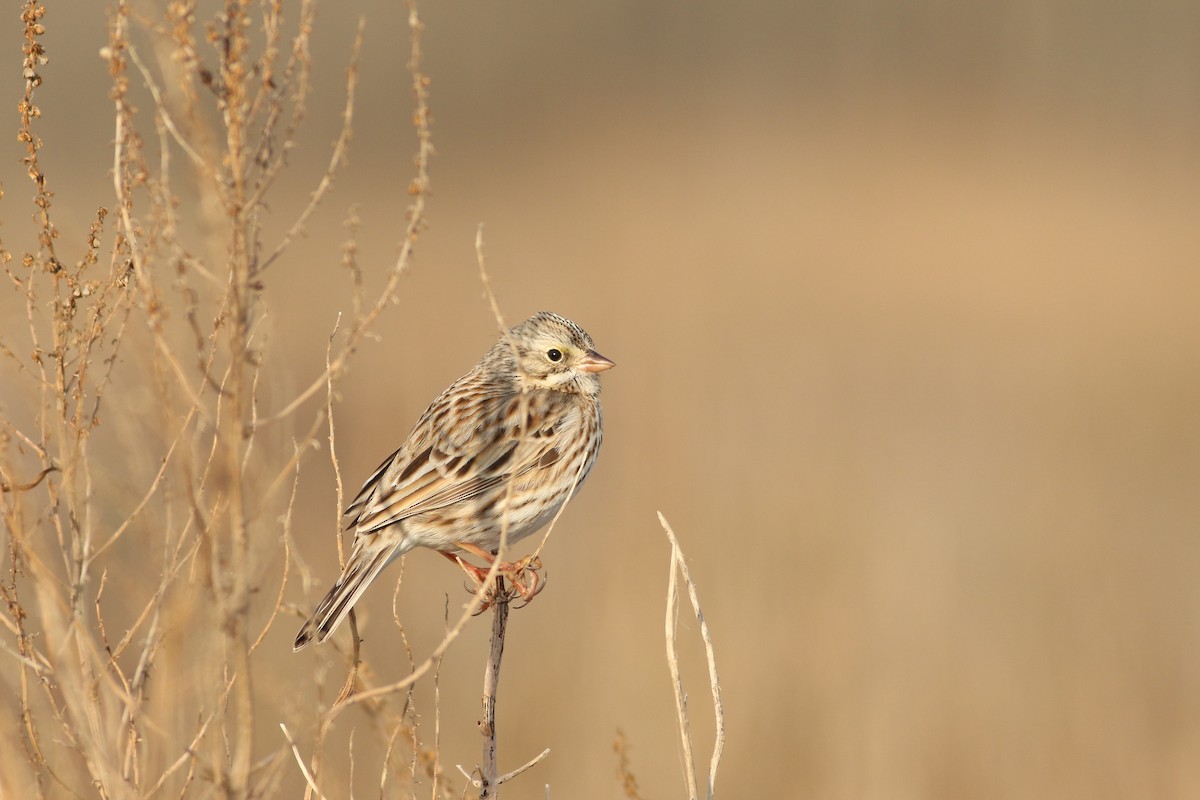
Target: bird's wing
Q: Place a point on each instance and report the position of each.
(465, 444)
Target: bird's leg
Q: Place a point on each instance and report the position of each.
(517, 572)
(477, 576)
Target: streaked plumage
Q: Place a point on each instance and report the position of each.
(532, 420)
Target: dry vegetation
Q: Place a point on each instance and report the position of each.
(906, 292)
(149, 480)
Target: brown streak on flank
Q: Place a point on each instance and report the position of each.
(417, 462)
(504, 458)
(552, 455)
(489, 506)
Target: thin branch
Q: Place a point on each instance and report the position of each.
(303, 769)
(489, 770)
(418, 189)
(336, 158)
(337, 467)
(523, 412)
(489, 778)
(508, 776)
(160, 106)
(437, 706)
(25, 487)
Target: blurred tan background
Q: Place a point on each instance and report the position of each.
(903, 298)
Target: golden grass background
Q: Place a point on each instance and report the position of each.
(903, 299)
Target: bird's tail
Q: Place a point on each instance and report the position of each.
(364, 564)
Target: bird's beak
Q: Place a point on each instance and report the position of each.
(594, 362)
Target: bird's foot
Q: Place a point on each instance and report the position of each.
(526, 581)
(525, 577)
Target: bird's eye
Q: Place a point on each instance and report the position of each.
(554, 354)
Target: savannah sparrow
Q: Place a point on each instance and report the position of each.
(506, 445)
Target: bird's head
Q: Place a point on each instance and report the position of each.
(555, 353)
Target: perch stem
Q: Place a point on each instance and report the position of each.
(489, 769)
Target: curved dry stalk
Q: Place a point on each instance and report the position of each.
(504, 331)
(679, 568)
(477, 599)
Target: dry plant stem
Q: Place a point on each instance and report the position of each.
(350, 698)
(679, 567)
(502, 550)
(437, 708)
(336, 159)
(418, 189)
(204, 493)
(495, 306)
(685, 732)
(490, 780)
(477, 599)
(335, 366)
(64, 388)
(234, 431)
(308, 778)
(489, 771)
(508, 776)
(340, 498)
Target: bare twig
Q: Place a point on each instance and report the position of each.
(437, 706)
(523, 407)
(490, 779)
(201, 472)
(488, 769)
(418, 189)
(339, 499)
(336, 158)
(308, 778)
(508, 776)
(25, 487)
(523, 412)
(160, 106)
